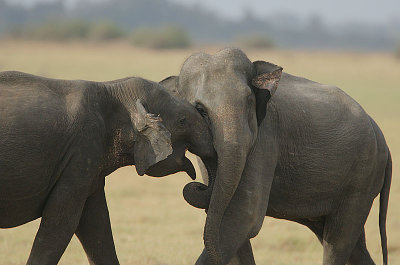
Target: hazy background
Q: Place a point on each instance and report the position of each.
(352, 44)
(309, 24)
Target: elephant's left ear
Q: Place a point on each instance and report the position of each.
(267, 76)
(265, 82)
(153, 142)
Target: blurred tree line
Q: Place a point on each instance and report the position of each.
(398, 51)
(76, 29)
(163, 24)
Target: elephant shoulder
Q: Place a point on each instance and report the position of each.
(298, 86)
(322, 107)
(302, 92)
(9, 77)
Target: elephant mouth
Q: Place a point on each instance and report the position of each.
(198, 194)
(188, 167)
(176, 162)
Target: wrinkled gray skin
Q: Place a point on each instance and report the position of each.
(59, 140)
(300, 151)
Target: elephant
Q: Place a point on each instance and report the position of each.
(288, 148)
(59, 139)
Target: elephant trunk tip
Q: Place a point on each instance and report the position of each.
(197, 194)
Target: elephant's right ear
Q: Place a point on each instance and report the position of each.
(265, 82)
(153, 143)
(171, 84)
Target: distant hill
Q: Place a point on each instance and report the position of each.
(206, 27)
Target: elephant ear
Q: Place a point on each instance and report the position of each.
(171, 84)
(153, 143)
(265, 82)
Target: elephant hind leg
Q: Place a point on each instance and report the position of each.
(343, 228)
(360, 254)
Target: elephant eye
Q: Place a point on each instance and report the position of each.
(201, 110)
(182, 121)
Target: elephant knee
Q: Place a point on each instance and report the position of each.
(255, 214)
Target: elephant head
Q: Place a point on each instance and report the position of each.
(231, 94)
(175, 119)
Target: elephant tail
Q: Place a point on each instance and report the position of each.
(383, 207)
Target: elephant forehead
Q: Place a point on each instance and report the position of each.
(232, 56)
(226, 60)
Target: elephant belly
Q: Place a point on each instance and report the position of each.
(17, 212)
(24, 191)
(20, 184)
(291, 199)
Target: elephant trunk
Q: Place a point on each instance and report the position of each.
(233, 140)
(197, 194)
(216, 196)
(230, 168)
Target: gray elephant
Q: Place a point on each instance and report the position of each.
(299, 151)
(59, 139)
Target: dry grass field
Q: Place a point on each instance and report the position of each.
(152, 224)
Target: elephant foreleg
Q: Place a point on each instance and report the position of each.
(94, 231)
(60, 218)
(244, 256)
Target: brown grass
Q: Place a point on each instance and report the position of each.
(152, 224)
